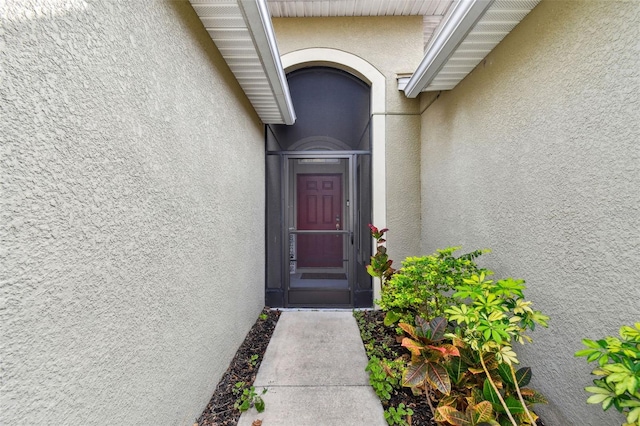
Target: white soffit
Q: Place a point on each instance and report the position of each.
(324, 8)
(242, 31)
(432, 11)
(444, 66)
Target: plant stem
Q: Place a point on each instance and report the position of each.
(495, 388)
(515, 382)
(426, 391)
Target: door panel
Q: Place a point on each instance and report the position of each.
(320, 209)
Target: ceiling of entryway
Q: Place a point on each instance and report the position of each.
(432, 11)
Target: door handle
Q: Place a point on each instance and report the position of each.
(337, 223)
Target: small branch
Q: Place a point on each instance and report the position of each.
(220, 406)
(426, 391)
(223, 411)
(515, 382)
(495, 388)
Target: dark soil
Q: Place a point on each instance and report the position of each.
(220, 411)
(375, 333)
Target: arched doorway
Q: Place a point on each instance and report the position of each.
(319, 194)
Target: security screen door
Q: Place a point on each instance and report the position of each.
(318, 182)
(319, 219)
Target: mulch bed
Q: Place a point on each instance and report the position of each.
(382, 336)
(220, 411)
(372, 324)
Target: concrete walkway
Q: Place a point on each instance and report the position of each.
(314, 372)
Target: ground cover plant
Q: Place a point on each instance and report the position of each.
(247, 397)
(234, 392)
(380, 344)
(456, 329)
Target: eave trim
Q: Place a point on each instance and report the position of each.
(463, 17)
(243, 33)
(258, 20)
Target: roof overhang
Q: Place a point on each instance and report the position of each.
(243, 33)
(460, 34)
(465, 37)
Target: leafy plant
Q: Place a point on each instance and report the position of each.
(423, 284)
(619, 370)
(247, 398)
(380, 266)
(491, 315)
(475, 414)
(254, 360)
(384, 376)
(468, 370)
(263, 316)
(470, 386)
(398, 416)
(429, 352)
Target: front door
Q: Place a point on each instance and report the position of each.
(319, 208)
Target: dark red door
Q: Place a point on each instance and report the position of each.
(319, 208)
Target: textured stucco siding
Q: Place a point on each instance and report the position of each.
(536, 155)
(403, 186)
(392, 45)
(131, 213)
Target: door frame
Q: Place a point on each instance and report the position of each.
(350, 193)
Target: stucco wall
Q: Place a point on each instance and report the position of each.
(536, 156)
(403, 187)
(131, 205)
(392, 45)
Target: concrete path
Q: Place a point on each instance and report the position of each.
(314, 372)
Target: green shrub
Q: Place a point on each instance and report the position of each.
(619, 370)
(459, 328)
(423, 284)
(490, 317)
